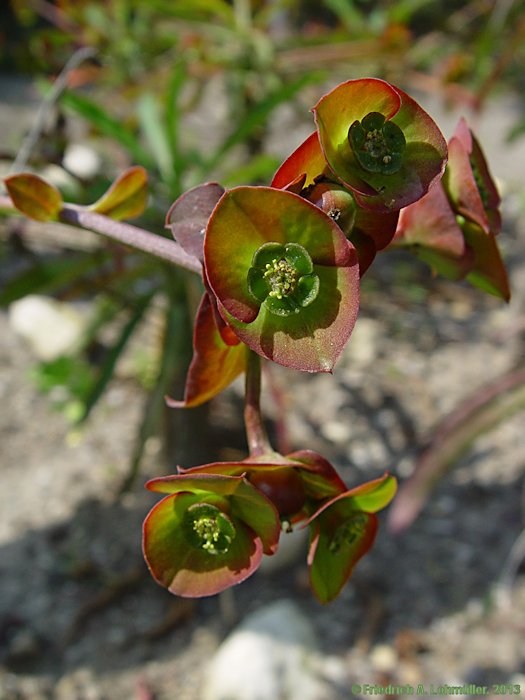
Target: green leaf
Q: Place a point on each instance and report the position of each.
(179, 159)
(172, 358)
(34, 197)
(349, 15)
(193, 9)
(258, 170)
(127, 197)
(153, 127)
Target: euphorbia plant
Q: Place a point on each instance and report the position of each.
(281, 268)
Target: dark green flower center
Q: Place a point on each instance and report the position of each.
(349, 532)
(378, 144)
(208, 528)
(282, 278)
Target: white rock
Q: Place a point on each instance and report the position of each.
(82, 161)
(52, 328)
(384, 658)
(270, 655)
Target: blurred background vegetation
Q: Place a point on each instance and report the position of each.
(199, 90)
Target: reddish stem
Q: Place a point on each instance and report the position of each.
(256, 435)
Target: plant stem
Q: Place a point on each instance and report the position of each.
(258, 442)
(130, 235)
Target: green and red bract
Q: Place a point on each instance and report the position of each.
(380, 143)
(342, 530)
(274, 475)
(470, 187)
(488, 271)
(303, 168)
(189, 214)
(431, 231)
(208, 534)
(295, 483)
(34, 197)
(127, 196)
(284, 275)
(453, 227)
(215, 363)
(218, 355)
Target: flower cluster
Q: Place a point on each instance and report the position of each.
(281, 268)
(211, 530)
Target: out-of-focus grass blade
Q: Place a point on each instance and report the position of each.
(257, 116)
(180, 162)
(403, 11)
(154, 130)
(108, 367)
(483, 411)
(107, 125)
(176, 319)
(47, 277)
(348, 14)
(194, 9)
(516, 132)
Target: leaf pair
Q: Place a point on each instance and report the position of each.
(41, 201)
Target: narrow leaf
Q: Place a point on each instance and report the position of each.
(108, 367)
(152, 126)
